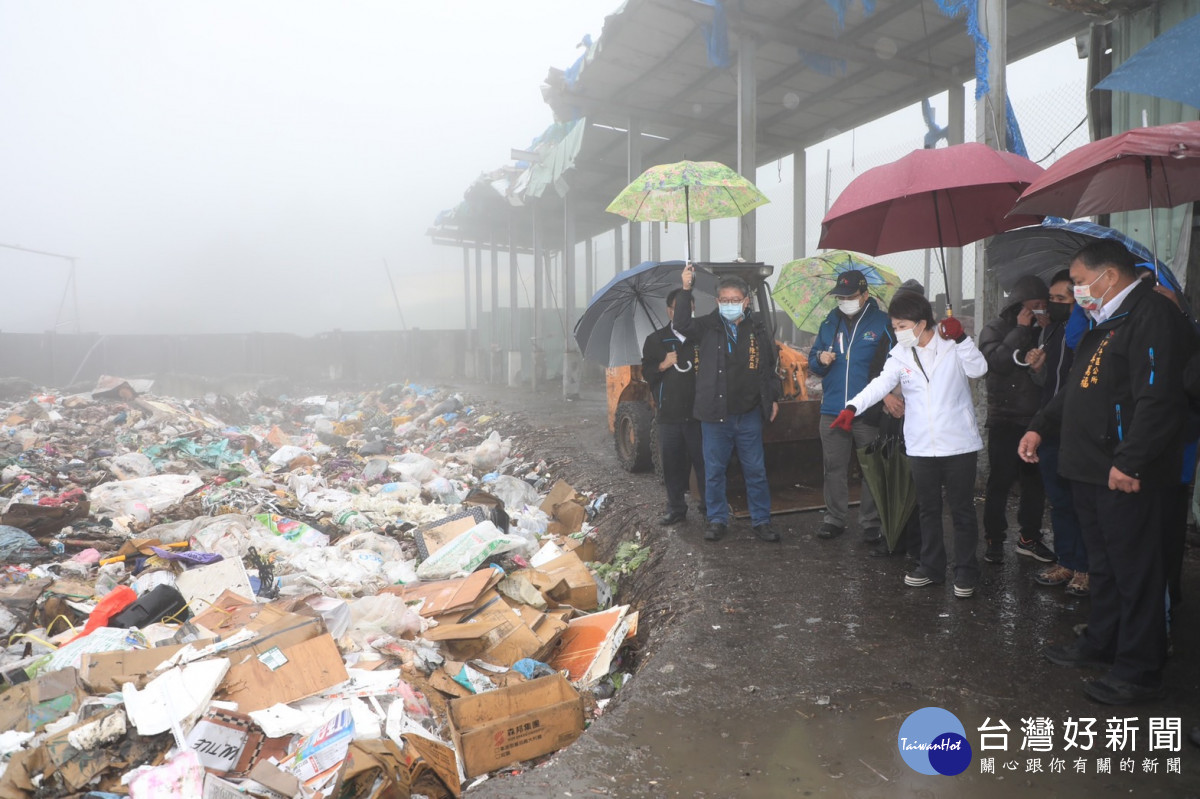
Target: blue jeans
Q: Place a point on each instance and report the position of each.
(1068, 537)
(744, 432)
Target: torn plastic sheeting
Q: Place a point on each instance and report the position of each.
(181, 777)
(131, 466)
(18, 546)
(292, 530)
(143, 494)
(379, 615)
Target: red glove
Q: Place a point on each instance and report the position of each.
(843, 420)
(951, 329)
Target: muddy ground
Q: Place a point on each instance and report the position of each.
(779, 670)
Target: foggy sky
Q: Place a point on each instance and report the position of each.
(247, 166)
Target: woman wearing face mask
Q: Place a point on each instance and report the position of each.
(933, 369)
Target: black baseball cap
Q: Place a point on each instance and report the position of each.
(849, 283)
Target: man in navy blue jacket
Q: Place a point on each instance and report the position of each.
(842, 355)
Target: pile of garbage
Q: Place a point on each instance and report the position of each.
(360, 595)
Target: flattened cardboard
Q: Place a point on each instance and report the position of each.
(204, 585)
(104, 672)
(312, 666)
(275, 627)
(447, 596)
(32, 705)
(275, 779)
(507, 725)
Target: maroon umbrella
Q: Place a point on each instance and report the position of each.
(947, 197)
(1151, 168)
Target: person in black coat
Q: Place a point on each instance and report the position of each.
(669, 367)
(1013, 397)
(1119, 420)
(737, 392)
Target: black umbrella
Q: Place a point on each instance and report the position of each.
(632, 306)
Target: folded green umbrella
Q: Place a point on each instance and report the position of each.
(885, 469)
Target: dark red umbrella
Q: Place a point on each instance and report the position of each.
(947, 197)
(1155, 167)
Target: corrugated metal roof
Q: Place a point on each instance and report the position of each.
(815, 79)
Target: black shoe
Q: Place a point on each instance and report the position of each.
(1076, 654)
(667, 519)
(829, 530)
(881, 551)
(716, 531)
(1111, 691)
(1036, 550)
(703, 511)
(872, 535)
(765, 532)
(995, 552)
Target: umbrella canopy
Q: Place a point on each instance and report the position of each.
(1167, 67)
(687, 191)
(1045, 249)
(802, 288)
(946, 197)
(632, 306)
(886, 471)
(1156, 167)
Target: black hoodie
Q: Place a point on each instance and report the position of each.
(1013, 397)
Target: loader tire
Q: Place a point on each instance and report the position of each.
(632, 429)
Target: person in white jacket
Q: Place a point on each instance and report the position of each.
(940, 433)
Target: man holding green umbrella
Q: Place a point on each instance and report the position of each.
(842, 355)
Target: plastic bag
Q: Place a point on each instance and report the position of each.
(381, 615)
(131, 465)
(489, 454)
(512, 491)
(414, 468)
(18, 546)
(467, 552)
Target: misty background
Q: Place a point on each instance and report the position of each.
(240, 167)
(244, 166)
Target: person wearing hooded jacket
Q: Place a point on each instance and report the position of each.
(1013, 397)
(933, 369)
(842, 355)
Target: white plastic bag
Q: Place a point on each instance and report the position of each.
(513, 492)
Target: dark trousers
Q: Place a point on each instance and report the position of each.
(1068, 538)
(1174, 528)
(1006, 468)
(1127, 618)
(956, 474)
(681, 451)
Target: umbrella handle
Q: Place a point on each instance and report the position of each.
(686, 369)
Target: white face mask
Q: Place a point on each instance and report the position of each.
(849, 307)
(907, 337)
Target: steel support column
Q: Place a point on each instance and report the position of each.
(747, 131)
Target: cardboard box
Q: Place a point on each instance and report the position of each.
(380, 769)
(443, 597)
(566, 514)
(566, 581)
(105, 672)
(507, 725)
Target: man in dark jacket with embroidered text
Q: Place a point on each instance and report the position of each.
(737, 389)
(1118, 420)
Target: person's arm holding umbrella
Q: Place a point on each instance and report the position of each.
(684, 321)
(973, 362)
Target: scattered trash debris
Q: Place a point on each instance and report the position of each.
(352, 595)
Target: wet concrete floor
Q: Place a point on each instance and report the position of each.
(779, 670)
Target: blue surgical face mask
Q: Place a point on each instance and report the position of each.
(730, 311)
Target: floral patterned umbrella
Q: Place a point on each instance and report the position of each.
(802, 289)
(687, 191)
